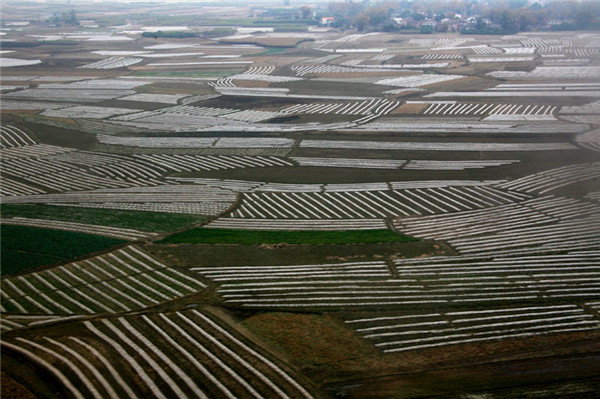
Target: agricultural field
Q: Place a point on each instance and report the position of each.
(30, 246)
(279, 235)
(279, 212)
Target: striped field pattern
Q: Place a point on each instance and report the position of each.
(501, 263)
(186, 199)
(303, 70)
(197, 142)
(64, 169)
(343, 204)
(163, 355)
(423, 164)
(123, 280)
(121, 233)
(187, 163)
(435, 146)
(399, 332)
(455, 165)
(12, 136)
(177, 109)
(350, 162)
(485, 50)
(557, 73)
(510, 217)
(113, 63)
(501, 59)
(573, 233)
(436, 281)
(534, 226)
(549, 180)
(418, 80)
(52, 173)
(77, 95)
(451, 108)
(10, 187)
(89, 112)
(10, 322)
(297, 224)
(352, 108)
(258, 186)
(442, 56)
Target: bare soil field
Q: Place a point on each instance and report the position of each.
(229, 255)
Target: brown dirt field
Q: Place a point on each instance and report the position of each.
(271, 107)
(251, 83)
(11, 389)
(504, 380)
(323, 175)
(191, 255)
(280, 61)
(309, 118)
(250, 102)
(411, 109)
(307, 338)
(470, 83)
(176, 87)
(19, 111)
(146, 106)
(329, 88)
(188, 68)
(228, 51)
(26, 380)
(231, 319)
(475, 70)
(592, 119)
(412, 94)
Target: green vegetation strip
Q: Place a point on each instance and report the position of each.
(250, 237)
(138, 220)
(29, 247)
(273, 51)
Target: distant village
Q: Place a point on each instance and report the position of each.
(402, 16)
(468, 16)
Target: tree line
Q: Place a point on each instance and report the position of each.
(485, 16)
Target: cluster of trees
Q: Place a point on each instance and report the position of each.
(66, 18)
(218, 32)
(563, 14)
(492, 16)
(169, 34)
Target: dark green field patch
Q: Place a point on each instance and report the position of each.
(273, 51)
(29, 247)
(138, 220)
(250, 237)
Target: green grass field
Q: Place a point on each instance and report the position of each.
(273, 51)
(250, 237)
(28, 247)
(145, 221)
